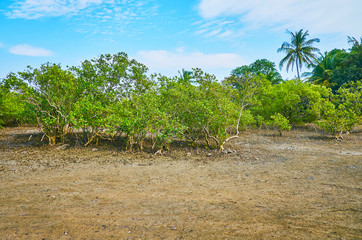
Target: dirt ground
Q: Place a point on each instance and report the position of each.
(303, 185)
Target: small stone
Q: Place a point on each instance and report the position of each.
(230, 151)
(12, 162)
(63, 147)
(173, 228)
(311, 178)
(188, 154)
(208, 155)
(94, 149)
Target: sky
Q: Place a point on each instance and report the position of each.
(168, 35)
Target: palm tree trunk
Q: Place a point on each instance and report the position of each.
(296, 63)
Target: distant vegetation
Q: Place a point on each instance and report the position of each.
(112, 95)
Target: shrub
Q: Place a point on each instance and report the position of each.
(52, 92)
(281, 123)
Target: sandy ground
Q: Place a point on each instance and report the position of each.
(303, 185)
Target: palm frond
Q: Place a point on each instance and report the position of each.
(291, 63)
(285, 47)
(352, 40)
(310, 42)
(285, 59)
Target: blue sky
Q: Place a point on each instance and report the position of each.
(168, 35)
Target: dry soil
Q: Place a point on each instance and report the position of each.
(304, 185)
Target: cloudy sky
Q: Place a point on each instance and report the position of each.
(168, 35)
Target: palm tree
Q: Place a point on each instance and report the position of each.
(322, 72)
(300, 51)
(356, 46)
(185, 76)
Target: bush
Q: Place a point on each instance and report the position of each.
(295, 100)
(52, 92)
(14, 110)
(112, 95)
(346, 111)
(281, 123)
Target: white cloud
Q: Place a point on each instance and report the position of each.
(107, 17)
(225, 34)
(214, 32)
(202, 31)
(318, 16)
(27, 50)
(166, 62)
(117, 17)
(1, 45)
(33, 9)
(219, 28)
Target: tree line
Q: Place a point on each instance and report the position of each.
(112, 96)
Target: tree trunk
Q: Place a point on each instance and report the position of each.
(52, 140)
(296, 63)
(85, 137)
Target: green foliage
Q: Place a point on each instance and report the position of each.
(297, 101)
(338, 67)
(356, 46)
(141, 115)
(104, 83)
(338, 120)
(259, 68)
(347, 111)
(246, 91)
(13, 108)
(323, 71)
(281, 122)
(52, 92)
(118, 98)
(90, 115)
(349, 70)
(112, 96)
(185, 75)
(204, 108)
